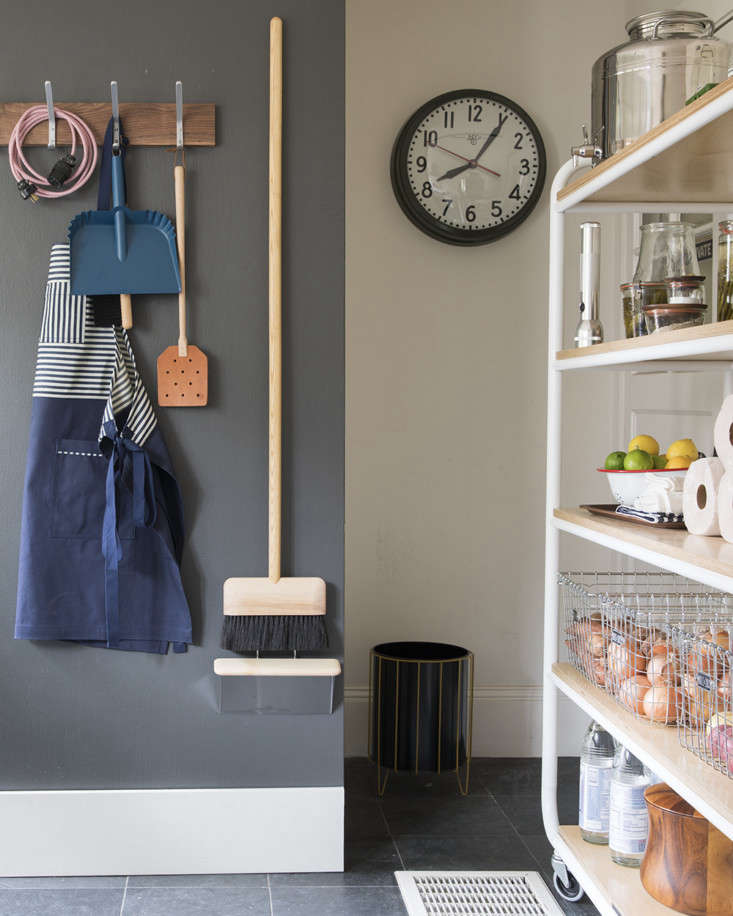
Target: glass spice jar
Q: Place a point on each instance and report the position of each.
(634, 323)
(686, 290)
(725, 270)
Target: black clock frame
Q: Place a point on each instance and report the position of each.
(417, 214)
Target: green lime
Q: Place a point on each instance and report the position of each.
(638, 460)
(615, 461)
(660, 462)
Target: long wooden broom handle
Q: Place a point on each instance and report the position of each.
(275, 299)
(126, 310)
(179, 175)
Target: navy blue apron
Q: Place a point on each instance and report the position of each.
(102, 529)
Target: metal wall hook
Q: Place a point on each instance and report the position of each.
(51, 115)
(115, 116)
(179, 115)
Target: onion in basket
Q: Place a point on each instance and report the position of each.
(725, 690)
(597, 645)
(719, 733)
(701, 703)
(653, 642)
(624, 661)
(661, 704)
(708, 657)
(661, 647)
(719, 638)
(586, 639)
(663, 668)
(632, 692)
(599, 672)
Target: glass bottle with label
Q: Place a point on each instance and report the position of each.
(596, 766)
(628, 818)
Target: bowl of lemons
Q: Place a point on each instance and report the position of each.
(628, 473)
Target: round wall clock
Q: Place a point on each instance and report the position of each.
(468, 167)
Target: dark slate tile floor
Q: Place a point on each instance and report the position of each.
(422, 822)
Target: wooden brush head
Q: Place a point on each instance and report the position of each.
(292, 595)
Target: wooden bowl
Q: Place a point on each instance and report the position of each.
(688, 864)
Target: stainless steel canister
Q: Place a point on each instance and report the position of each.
(670, 56)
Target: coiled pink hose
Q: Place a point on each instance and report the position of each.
(81, 133)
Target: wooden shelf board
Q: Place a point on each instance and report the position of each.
(706, 342)
(704, 559)
(619, 889)
(144, 123)
(697, 168)
(710, 791)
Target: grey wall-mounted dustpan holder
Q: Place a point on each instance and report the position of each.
(277, 686)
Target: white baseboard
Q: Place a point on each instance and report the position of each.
(171, 831)
(507, 722)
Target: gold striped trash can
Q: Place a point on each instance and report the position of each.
(421, 709)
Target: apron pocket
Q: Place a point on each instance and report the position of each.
(63, 315)
(80, 474)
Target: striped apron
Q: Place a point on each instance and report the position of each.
(102, 530)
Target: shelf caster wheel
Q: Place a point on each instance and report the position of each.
(566, 884)
(571, 892)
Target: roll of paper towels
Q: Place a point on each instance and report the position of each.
(723, 433)
(700, 496)
(725, 506)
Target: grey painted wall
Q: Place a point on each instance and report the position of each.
(74, 717)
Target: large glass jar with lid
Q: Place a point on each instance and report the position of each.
(666, 250)
(725, 270)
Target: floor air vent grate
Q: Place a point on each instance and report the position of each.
(476, 893)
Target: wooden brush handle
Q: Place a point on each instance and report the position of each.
(179, 175)
(275, 300)
(126, 310)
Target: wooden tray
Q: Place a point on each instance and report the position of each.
(609, 510)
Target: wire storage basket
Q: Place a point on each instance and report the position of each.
(622, 632)
(706, 674)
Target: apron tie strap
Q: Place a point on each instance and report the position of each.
(126, 459)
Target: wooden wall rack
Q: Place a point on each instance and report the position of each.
(144, 123)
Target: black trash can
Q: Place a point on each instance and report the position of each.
(421, 709)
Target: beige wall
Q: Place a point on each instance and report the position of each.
(446, 358)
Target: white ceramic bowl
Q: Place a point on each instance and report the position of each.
(627, 485)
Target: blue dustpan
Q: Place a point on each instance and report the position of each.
(121, 250)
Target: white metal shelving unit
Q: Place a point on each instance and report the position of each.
(683, 165)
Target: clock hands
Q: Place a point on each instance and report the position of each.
(492, 136)
(453, 172)
(474, 163)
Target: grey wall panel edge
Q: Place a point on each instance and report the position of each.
(75, 717)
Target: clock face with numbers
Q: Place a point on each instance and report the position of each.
(468, 167)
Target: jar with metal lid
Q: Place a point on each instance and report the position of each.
(725, 270)
(634, 323)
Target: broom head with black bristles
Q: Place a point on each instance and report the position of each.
(287, 615)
